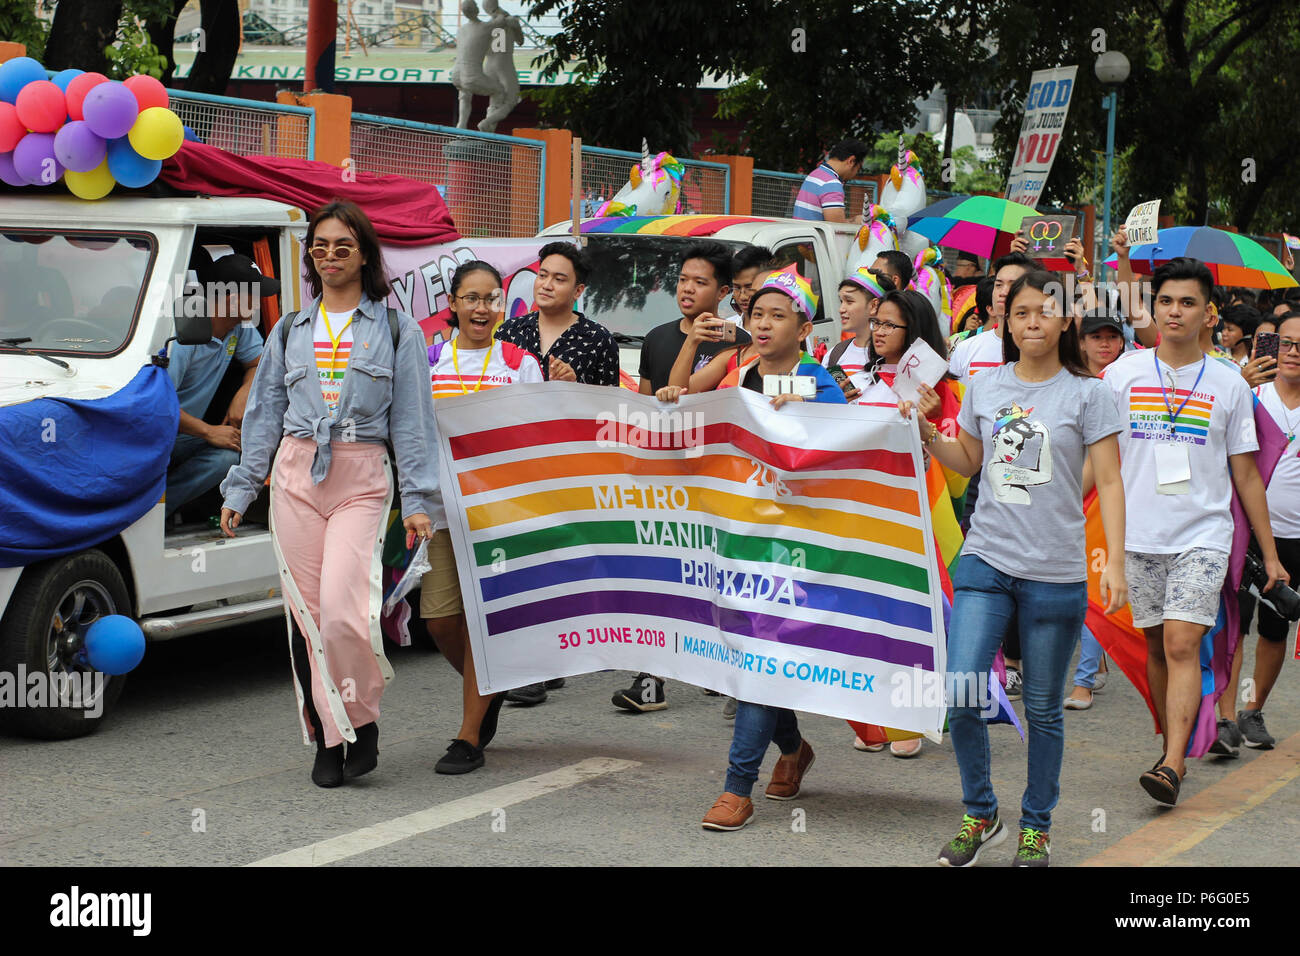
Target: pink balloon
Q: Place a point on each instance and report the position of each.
(11, 127)
(148, 91)
(41, 106)
(78, 87)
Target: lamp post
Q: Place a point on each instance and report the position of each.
(1112, 70)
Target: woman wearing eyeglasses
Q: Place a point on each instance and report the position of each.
(472, 361)
(341, 379)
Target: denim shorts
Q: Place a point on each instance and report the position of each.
(1181, 587)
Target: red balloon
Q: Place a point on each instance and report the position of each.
(148, 91)
(41, 106)
(78, 87)
(11, 127)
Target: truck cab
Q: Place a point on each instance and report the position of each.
(93, 286)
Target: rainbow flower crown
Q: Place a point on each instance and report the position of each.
(863, 279)
(789, 281)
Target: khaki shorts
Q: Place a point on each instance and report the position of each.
(440, 587)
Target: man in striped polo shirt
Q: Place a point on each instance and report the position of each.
(821, 194)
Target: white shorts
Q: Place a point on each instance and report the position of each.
(1180, 587)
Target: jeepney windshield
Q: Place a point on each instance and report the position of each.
(71, 292)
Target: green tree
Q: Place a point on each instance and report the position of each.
(19, 24)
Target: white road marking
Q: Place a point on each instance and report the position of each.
(445, 814)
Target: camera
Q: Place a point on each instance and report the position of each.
(1283, 599)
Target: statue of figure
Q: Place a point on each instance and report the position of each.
(506, 33)
(472, 42)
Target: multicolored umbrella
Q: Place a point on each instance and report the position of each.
(1233, 260)
(982, 225)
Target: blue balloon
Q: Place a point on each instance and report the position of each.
(64, 77)
(190, 135)
(17, 73)
(114, 644)
(130, 168)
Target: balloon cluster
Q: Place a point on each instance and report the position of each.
(83, 128)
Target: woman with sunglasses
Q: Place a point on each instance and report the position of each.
(341, 380)
(472, 361)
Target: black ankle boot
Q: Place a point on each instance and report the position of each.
(327, 771)
(363, 756)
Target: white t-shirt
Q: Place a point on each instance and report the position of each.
(874, 392)
(448, 382)
(1284, 486)
(854, 359)
(332, 362)
(978, 353)
(1217, 420)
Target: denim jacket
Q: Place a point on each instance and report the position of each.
(286, 400)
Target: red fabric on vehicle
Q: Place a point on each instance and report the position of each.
(405, 212)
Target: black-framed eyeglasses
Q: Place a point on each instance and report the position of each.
(1286, 345)
(879, 324)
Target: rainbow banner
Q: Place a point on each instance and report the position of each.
(782, 557)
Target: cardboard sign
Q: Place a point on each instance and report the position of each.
(1046, 107)
(1142, 222)
(919, 365)
(1047, 237)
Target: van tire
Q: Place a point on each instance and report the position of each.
(27, 638)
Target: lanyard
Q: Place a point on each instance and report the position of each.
(335, 341)
(456, 365)
(1173, 415)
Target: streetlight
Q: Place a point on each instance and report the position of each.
(1112, 70)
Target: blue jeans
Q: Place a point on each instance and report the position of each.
(1051, 617)
(757, 725)
(1090, 654)
(195, 467)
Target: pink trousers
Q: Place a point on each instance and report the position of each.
(328, 541)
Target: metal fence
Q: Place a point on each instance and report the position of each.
(706, 187)
(492, 184)
(774, 193)
(247, 127)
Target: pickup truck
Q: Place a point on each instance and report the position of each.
(635, 262)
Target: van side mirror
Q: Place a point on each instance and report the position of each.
(193, 325)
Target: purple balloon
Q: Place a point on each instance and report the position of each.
(77, 148)
(7, 171)
(35, 161)
(110, 109)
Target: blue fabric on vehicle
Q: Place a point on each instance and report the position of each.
(77, 472)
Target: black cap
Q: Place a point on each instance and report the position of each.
(237, 268)
(968, 257)
(1097, 320)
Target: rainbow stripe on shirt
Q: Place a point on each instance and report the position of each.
(1149, 417)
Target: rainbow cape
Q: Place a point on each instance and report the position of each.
(1126, 644)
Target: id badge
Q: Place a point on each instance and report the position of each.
(1173, 469)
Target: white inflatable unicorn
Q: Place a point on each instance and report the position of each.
(932, 283)
(874, 237)
(903, 197)
(653, 189)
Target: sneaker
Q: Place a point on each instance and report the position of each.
(529, 694)
(1229, 740)
(1015, 684)
(555, 683)
(730, 812)
(1251, 725)
(975, 834)
(858, 744)
(729, 709)
(461, 757)
(646, 693)
(1035, 848)
(787, 775)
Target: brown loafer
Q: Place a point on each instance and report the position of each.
(730, 812)
(788, 773)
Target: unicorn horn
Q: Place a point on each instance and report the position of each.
(902, 153)
(645, 154)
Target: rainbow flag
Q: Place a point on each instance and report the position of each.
(783, 557)
(1126, 644)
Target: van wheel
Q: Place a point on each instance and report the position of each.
(44, 631)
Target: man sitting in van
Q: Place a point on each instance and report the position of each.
(204, 452)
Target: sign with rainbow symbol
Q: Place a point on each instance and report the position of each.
(784, 557)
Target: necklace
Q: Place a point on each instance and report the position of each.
(456, 365)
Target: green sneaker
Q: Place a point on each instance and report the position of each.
(975, 834)
(1035, 848)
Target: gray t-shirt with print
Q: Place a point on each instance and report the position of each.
(1028, 519)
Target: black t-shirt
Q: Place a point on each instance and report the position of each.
(586, 346)
(663, 344)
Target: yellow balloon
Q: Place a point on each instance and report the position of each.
(96, 184)
(157, 133)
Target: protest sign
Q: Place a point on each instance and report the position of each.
(919, 365)
(1047, 237)
(1142, 223)
(784, 557)
(1046, 106)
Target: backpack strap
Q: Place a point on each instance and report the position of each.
(837, 353)
(283, 329)
(394, 327)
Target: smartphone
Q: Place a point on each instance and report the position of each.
(1266, 344)
(841, 377)
(728, 331)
